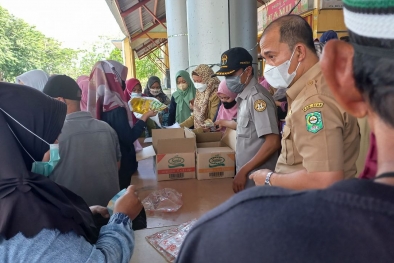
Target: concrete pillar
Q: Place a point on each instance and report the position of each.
(208, 28)
(177, 37)
(129, 58)
(243, 26)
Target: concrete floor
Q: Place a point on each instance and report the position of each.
(198, 198)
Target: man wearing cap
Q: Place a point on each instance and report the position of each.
(88, 148)
(258, 138)
(320, 140)
(351, 221)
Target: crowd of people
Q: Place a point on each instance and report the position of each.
(297, 136)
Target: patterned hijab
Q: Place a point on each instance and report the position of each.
(83, 83)
(202, 98)
(106, 94)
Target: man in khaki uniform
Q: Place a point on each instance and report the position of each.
(258, 138)
(320, 141)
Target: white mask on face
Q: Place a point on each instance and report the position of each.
(200, 87)
(154, 92)
(279, 77)
(182, 86)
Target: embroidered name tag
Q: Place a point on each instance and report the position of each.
(313, 105)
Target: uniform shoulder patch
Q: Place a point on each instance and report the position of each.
(314, 122)
(313, 105)
(260, 105)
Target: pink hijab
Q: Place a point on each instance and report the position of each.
(105, 93)
(226, 114)
(83, 83)
(130, 85)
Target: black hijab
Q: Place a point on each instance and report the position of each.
(31, 202)
(152, 80)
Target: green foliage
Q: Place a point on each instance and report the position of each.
(116, 54)
(24, 48)
(146, 68)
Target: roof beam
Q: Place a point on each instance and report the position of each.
(141, 23)
(155, 8)
(138, 35)
(133, 8)
(158, 20)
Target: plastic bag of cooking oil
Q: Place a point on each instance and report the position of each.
(144, 104)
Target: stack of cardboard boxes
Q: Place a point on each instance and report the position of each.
(181, 154)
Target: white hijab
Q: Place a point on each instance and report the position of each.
(34, 78)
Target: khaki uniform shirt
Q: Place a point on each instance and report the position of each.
(319, 135)
(256, 117)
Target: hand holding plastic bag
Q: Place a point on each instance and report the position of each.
(144, 104)
(163, 200)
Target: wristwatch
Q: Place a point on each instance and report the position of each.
(268, 179)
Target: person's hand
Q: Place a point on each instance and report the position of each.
(219, 124)
(148, 114)
(278, 103)
(191, 106)
(47, 156)
(240, 180)
(206, 129)
(98, 209)
(259, 176)
(128, 203)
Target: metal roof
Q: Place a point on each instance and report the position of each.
(137, 18)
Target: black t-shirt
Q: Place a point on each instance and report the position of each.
(352, 221)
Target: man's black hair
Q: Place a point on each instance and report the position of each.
(293, 30)
(374, 76)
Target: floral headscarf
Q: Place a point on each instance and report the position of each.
(202, 98)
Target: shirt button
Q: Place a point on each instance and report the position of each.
(311, 82)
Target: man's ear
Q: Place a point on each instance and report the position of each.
(337, 67)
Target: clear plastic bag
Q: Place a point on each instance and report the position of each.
(163, 200)
(168, 242)
(144, 104)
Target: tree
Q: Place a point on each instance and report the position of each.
(146, 68)
(24, 48)
(116, 54)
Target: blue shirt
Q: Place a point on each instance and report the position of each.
(115, 244)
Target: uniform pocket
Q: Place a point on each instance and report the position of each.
(244, 127)
(287, 144)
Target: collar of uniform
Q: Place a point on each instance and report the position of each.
(300, 84)
(249, 89)
(78, 114)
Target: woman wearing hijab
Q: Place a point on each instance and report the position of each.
(83, 83)
(34, 78)
(41, 221)
(206, 102)
(153, 89)
(133, 89)
(228, 108)
(181, 98)
(108, 103)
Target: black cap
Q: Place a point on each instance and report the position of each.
(62, 86)
(234, 59)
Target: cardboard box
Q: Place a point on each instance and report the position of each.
(216, 155)
(174, 151)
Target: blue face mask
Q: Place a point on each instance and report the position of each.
(234, 83)
(44, 168)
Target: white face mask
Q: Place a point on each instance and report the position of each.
(154, 92)
(279, 77)
(200, 87)
(182, 86)
(135, 95)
